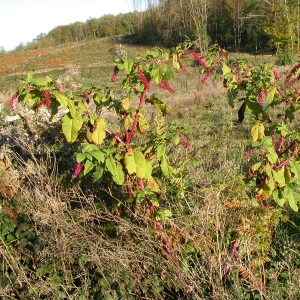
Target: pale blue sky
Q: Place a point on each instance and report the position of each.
(23, 20)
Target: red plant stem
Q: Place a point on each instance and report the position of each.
(285, 162)
(288, 148)
(116, 137)
(226, 270)
(281, 140)
(136, 117)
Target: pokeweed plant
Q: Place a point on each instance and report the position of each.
(116, 155)
(274, 152)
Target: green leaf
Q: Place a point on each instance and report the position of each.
(115, 170)
(80, 157)
(165, 168)
(32, 97)
(99, 134)
(130, 162)
(88, 167)
(288, 194)
(119, 177)
(272, 155)
(128, 65)
(161, 150)
(99, 155)
(71, 127)
(271, 94)
(226, 70)
(98, 173)
(267, 141)
(163, 214)
(278, 198)
(111, 165)
(295, 168)
(148, 169)
(39, 82)
(279, 177)
(61, 98)
(90, 147)
(158, 73)
(72, 108)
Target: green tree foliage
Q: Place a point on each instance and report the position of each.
(249, 25)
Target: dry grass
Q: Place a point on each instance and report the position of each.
(93, 251)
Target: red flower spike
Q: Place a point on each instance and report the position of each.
(248, 154)
(184, 142)
(159, 225)
(275, 74)
(259, 97)
(144, 79)
(199, 60)
(224, 54)
(38, 105)
(281, 94)
(182, 67)
(164, 85)
(12, 100)
(293, 82)
(47, 99)
(78, 169)
(114, 77)
(207, 75)
(293, 72)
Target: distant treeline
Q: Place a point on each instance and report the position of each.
(252, 25)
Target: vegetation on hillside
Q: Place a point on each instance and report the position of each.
(141, 193)
(251, 25)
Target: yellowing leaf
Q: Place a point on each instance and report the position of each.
(98, 134)
(153, 185)
(143, 125)
(126, 103)
(257, 132)
(128, 122)
(135, 162)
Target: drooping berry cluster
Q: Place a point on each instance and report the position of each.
(164, 85)
(182, 67)
(78, 169)
(275, 74)
(47, 99)
(209, 71)
(293, 72)
(114, 76)
(293, 82)
(87, 96)
(224, 53)
(184, 142)
(143, 79)
(199, 60)
(12, 101)
(259, 97)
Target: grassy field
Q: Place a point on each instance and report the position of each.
(62, 239)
